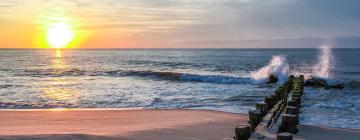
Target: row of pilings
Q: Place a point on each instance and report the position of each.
(278, 114)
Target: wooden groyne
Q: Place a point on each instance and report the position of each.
(278, 116)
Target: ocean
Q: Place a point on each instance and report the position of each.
(229, 80)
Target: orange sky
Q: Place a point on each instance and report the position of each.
(103, 26)
(174, 23)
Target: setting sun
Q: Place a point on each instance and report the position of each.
(59, 31)
(59, 34)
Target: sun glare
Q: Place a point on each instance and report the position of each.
(59, 31)
(59, 35)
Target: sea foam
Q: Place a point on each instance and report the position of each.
(321, 69)
(277, 66)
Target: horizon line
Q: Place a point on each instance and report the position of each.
(171, 48)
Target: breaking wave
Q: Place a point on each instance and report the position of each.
(221, 79)
(277, 66)
(176, 76)
(322, 68)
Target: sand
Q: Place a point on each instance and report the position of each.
(135, 124)
(138, 124)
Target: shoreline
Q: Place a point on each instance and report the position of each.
(113, 109)
(74, 109)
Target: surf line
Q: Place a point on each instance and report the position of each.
(277, 116)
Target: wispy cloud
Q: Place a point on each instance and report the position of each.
(222, 22)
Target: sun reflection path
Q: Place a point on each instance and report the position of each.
(58, 87)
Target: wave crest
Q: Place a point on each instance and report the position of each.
(187, 77)
(277, 66)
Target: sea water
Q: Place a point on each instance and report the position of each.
(230, 80)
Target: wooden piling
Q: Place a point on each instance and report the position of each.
(275, 98)
(262, 107)
(292, 103)
(269, 101)
(284, 104)
(255, 117)
(288, 124)
(242, 132)
(279, 94)
(297, 100)
(293, 111)
(284, 136)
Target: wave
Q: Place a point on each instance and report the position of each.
(176, 76)
(51, 72)
(19, 105)
(322, 69)
(277, 66)
(353, 84)
(352, 73)
(186, 77)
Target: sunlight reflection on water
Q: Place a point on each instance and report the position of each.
(57, 87)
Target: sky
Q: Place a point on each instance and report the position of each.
(179, 23)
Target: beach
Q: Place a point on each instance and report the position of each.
(137, 124)
(134, 124)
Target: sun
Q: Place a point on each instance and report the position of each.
(59, 35)
(60, 31)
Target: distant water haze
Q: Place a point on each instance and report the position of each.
(230, 80)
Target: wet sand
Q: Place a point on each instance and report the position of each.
(135, 124)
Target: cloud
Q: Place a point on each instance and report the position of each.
(228, 23)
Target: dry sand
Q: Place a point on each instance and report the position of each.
(119, 124)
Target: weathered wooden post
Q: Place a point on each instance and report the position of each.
(288, 124)
(254, 118)
(242, 132)
(262, 107)
(287, 86)
(275, 98)
(296, 94)
(297, 100)
(269, 101)
(292, 103)
(284, 136)
(279, 93)
(293, 111)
